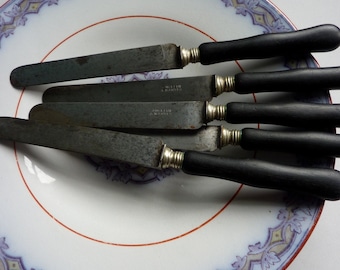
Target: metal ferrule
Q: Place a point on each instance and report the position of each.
(228, 137)
(213, 112)
(171, 158)
(189, 56)
(224, 84)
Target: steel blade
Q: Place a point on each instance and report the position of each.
(141, 150)
(159, 57)
(205, 139)
(160, 115)
(178, 89)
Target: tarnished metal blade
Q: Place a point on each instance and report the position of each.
(159, 115)
(178, 89)
(159, 57)
(141, 150)
(205, 139)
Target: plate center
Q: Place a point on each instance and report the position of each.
(81, 198)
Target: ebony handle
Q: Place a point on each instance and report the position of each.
(316, 39)
(294, 114)
(303, 142)
(322, 183)
(298, 80)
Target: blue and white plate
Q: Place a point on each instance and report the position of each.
(60, 210)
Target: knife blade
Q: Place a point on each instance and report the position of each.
(185, 114)
(199, 88)
(169, 56)
(152, 152)
(211, 138)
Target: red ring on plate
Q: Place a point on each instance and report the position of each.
(79, 233)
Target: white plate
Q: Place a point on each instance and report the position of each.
(65, 211)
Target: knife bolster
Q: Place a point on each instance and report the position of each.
(224, 84)
(171, 158)
(230, 137)
(213, 112)
(189, 56)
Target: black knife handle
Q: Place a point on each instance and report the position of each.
(298, 80)
(294, 114)
(316, 39)
(321, 183)
(303, 142)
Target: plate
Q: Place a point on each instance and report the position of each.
(61, 210)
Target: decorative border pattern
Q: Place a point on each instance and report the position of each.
(13, 15)
(8, 262)
(261, 14)
(281, 240)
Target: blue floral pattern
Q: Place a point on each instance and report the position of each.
(8, 262)
(128, 173)
(15, 15)
(281, 238)
(261, 13)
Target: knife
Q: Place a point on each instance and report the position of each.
(169, 56)
(211, 138)
(200, 88)
(152, 152)
(185, 114)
